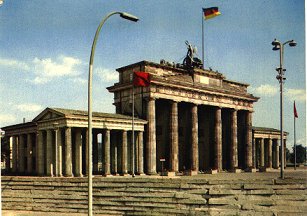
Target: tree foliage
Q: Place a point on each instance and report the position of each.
(300, 154)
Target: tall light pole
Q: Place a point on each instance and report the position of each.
(90, 183)
(280, 77)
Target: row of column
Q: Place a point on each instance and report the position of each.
(174, 140)
(23, 153)
(59, 152)
(268, 152)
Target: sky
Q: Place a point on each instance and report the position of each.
(45, 50)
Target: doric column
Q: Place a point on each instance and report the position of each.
(95, 152)
(218, 139)
(174, 137)
(29, 153)
(195, 163)
(269, 153)
(276, 153)
(68, 151)
(261, 152)
(151, 137)
(14, 154)
(86, 149)
(107, 158)
(114, 152)
(59, 157)
(140, 158)
(249, 149)
(40, 153)
(124, 153)
(254, 151)
(21, 154)
(49, 153)
(8, 158)
(78, 153)
(234, 140)
(285, 153)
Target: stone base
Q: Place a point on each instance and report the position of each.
(236, 170)
(215, 171)
(251, 169)
(125, 174)
(108, 175)
(141, 174)
(191, 172)
(269, 169)
(170, 174)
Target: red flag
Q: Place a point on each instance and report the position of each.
(141, 79)
(294, 110)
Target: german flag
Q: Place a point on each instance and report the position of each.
(211, 12)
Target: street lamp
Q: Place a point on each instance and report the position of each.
(90, 183)
(280, 77)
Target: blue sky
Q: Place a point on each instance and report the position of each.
(45, 48)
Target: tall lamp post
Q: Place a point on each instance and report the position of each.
(280, 77)
(90, 183)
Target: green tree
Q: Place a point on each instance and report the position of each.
(300, 154)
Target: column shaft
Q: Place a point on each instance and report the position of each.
(86, 149)
(174, 137)
(218, 139)
(269, 153)
(68, 151)
(40, 153)
(261, 152)
(276, 161)
(29, 153)
(114, 145)
(15, 154)
(107, 158)
(21, 154)
(59, 156)
(285, 153)
(78, 153)
(95, 152)
(249, 149)
(234, 141)
(140, 169)
(151, 137)
(124, 153)
(49, 153)
(195, 161)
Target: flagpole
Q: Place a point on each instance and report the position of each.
(202, 29)
(294, 140)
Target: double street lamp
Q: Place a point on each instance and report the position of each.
(123, 15)
(280, 77)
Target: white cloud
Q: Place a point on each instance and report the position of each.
(296, 94)
(266, 90)
(107, 75)
(79, 80)
(14, 64)
(47, 69)
(6, 118)
(29, 107)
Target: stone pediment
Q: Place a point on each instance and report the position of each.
(48, 114)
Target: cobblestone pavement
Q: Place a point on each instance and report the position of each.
(290, 173)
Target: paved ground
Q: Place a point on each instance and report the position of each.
(290, 173)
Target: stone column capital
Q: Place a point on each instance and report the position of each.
(150, 99)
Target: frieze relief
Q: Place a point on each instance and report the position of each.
(197, 97)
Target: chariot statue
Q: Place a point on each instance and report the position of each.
(190, 61)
